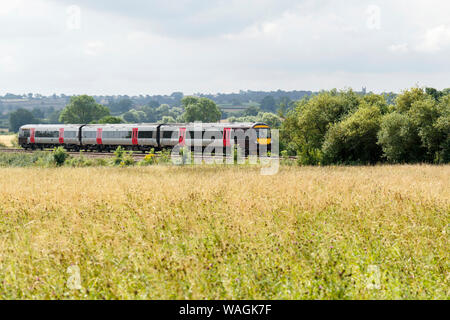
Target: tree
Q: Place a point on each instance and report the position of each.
(153, 104)
(354, 139)
(443, 129)
(121, 106)
(436, 94)
(284, 105)
(268, 104)
(308, 124)
(251, 111)
(200, 109)
(177, 97)
(405, 100)
(83, 109)
(20, 118)
(110, 120)
(424, 114)
(167, 119)
(134, 116)
(399, 139)
(272, 120)
(54, 117)
(150, 114)
(37, 113)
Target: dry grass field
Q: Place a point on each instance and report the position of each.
(165, 232)
(6, 140)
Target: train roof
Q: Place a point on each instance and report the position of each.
(122, 125)
(149, 125)
(50, 126)
(217, 125)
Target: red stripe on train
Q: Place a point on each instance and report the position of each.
(226, 137)
(32, 135)
(182, 138)
(99, 136)
(134, 136)
(61, 135)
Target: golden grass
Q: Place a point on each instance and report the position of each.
(6, 140)
(214, 233)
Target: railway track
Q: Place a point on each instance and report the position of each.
(90, 154)
(84, 153)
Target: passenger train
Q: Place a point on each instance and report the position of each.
(146, 136)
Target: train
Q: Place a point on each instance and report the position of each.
(146, 136)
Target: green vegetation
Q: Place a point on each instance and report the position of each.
(83, 109)
(200, 109)
(347, 128)
(20, 118)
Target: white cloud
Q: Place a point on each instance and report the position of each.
(94, 48)
(399, 48)
(7, 64)
(8, 7)
(435, 39)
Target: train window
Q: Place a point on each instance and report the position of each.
(145, 134)
(70, 134)
(263, 133)
(167, 134)
(128, 135)
(26, 133)
(47, 134)
(89, 134)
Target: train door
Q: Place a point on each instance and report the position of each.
(61, 135)
(182, 137)
(99, 136)
(134, 136)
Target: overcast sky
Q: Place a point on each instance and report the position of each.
(157, 47)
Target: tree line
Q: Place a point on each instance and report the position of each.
(346, 128)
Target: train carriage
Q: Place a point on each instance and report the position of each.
(130, 136)
(48, 136)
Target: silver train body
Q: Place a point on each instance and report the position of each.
(145, 136)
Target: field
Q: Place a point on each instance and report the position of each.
(6, 140)
(166, 232)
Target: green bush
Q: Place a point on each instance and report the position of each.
(128, 160)
(354, 140)
(60, 155)
(149, 159)
(399, 139)
(309, 156)
(122, 157)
